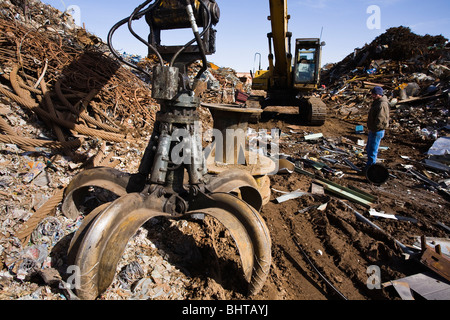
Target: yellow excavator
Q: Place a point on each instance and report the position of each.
(290, 78)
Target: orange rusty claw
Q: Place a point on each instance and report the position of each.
(102, 239)
(117, 182)
(236, 179)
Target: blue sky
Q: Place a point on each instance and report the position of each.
(243, 27)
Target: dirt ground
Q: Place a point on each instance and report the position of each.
(316, 254)
(332, 242)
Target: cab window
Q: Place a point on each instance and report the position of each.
(305, 65)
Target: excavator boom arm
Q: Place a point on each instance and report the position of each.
(280, 37)
(288, 82)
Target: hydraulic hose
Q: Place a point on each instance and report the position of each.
(137, 14)
(198, 36)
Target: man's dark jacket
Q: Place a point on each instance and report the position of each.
(379, 115)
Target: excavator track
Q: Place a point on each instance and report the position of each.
(313, 111)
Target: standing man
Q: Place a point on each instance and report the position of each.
(377, 123)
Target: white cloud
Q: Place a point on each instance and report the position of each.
(419, 26)
(384, 3)
(317, 4)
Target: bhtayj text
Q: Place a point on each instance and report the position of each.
(229, 309)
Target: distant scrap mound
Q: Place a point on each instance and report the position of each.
(396, 44)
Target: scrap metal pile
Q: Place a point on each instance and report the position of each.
(72, 72)
(64, 100)
(414, 71)
(67, 105)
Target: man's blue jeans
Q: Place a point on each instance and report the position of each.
(373, 143)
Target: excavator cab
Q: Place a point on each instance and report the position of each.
(307, 63)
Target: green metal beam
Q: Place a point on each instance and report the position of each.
(354, 195)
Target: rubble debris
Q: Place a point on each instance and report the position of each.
(440, 147)
(361, 217)
(290, 195)
(434, 259)
(424, 285)
(432, 242)
(440, 224)
(315, 136)
(375, 213)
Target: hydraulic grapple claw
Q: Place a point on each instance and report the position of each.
(174, 151)
(106, 178)
(239, 181)
(117, 182)
(97, 249)
(100, 241)
(249, 232)
(97, 245)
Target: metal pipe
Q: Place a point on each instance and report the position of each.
(360, 217)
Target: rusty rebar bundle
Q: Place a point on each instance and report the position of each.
(72, 86)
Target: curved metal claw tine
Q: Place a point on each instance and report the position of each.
(81, 231)
(106, 178)
(104, 241)
(250, 233)
(239, 235)
(233, 179)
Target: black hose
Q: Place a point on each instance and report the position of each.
(200, 42)
(197, 38)
(318, 272)
(121, 23)
(137, 15)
